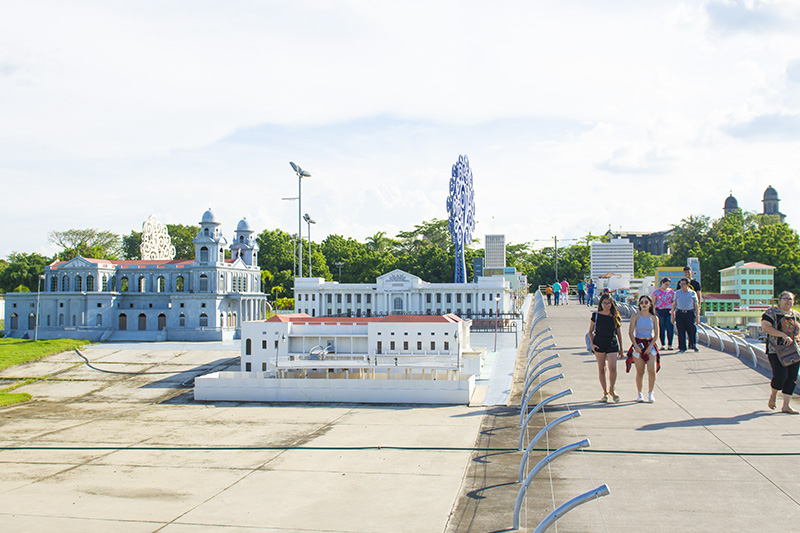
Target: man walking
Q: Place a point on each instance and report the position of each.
(686, 315)
(556, 291)
(693, 283)
(590, 293)
(581, 286)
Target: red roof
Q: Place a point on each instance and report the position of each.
(717, 296)
(751, 264)
(302, 318)
(127, 262)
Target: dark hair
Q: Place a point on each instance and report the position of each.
(614, 312)
(682, 280)
(652, 307)
(663, 280)
(687, 267)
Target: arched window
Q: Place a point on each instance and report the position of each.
(65, 284)
(162, 284)
(142, 322)
(99, 319)
(104, 288)
(48, 320)
(14, 321)
(205, 232)
(241, 238)
(162, 321)
(89, 283)
(113, 283)
(204, 254)
(222, 319)
(123, 321)
(203, 320)
(203, 283)
(182, 320)
(61, 319)
(221, 286)
(398, 304)
(179, 284)
(53, 283)
(142, 283)
(78, 283)
(74, 320)
(123, 284)
(248, 347)
(31, 321)
(234, 320)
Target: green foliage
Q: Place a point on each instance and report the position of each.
(21, 288)
(23, 269)
(645, 263)
(86, 243)
(131, 244)
(285, 303)
(182, 237)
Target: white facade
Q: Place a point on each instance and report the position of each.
(399, 292)
(612, 257)
(495, 251)
(202, 299)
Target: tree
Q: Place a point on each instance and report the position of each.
(645, 263)
(689, 234)
(131, 245)
(90, 243)
(182, 238)
(432, 232)
(23, 269)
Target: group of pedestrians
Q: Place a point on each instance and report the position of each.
(559, 291)
(669, 310)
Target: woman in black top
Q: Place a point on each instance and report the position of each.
(605, 336)
(781, 324)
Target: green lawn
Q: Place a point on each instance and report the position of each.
(17, 351)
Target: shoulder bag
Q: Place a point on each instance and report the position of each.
(788, 353)
(589, 347)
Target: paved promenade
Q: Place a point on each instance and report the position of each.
(707, 455)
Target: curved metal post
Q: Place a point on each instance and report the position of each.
(532, 474)
(534, 375)
(524, 461)
(534, 346)
(753, 353)
(569, 505)
(537, 320)
(534, 354)
(541, 384)
(735, 341)
(548, 328)
(537, 365)
(538, 407)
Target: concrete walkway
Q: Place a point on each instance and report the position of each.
(707, 455)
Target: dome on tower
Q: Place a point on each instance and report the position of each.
(770, 194)
(731, 203)
(209, 217)
(244, 225)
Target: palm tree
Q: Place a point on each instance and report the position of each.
(377, 242)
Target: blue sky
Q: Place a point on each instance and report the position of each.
(575, 115)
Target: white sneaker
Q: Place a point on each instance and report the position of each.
(640, 398)
(651, 398)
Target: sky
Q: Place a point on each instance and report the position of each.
(576, 115)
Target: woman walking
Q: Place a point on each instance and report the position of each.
(664, 297)
(781, 324)
(605, 337)
(643, 332)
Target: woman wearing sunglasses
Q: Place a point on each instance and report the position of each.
(606, 339)
(644, 353)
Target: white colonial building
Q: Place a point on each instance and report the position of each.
(398, 293)
(159, 299)
(398, 358)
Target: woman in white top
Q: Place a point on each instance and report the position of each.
(643, 332)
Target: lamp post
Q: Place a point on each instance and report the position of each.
(496, 312)
(310, 221)
(294, 254)
(36, 321)
(300, 175)
(339, 264)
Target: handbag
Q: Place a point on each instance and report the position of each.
(589, 347)
(788, 353)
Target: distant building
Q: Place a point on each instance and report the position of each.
(614, 257)
(753, 282)
(401, 293)
(675, 274)
(495, 251)
(477, 268)
(724, 311)
(160, 299)
(653, 242)
(770, 201)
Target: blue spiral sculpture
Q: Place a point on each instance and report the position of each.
(461, 213)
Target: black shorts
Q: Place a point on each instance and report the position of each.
(607, 345)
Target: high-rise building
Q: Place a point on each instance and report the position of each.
(495, 251)
(614, 257)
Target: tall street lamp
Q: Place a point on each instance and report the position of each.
(300, 175)
(36, 322)
(310, 221)
(496, 312)
(339, 264)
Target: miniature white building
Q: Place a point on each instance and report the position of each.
(162, 299)
(399, 292)
(398, 358)
(495, 251)
(615, 257)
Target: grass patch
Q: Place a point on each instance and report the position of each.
(18, 351)
(10, 398)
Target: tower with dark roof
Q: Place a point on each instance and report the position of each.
(731, 204)
(772, 203)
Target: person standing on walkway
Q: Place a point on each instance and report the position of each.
(556, 291)
(781, 324)
(643, 332)
(693, 284)
(590, 293)
(549, 292)
(605, 337)
(686, 315)
(565, 291)
(581, 286)
(664, 297)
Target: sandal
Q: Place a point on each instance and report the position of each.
(789, 411)
(604, 399)
(614, 396)
(771, 403)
